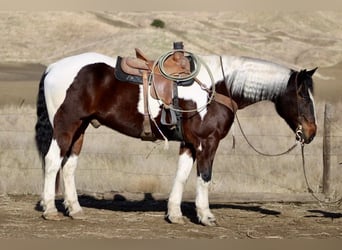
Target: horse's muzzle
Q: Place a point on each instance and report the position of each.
(305, 134)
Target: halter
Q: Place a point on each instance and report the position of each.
(299, 130)
(299, 135)
(300, 139)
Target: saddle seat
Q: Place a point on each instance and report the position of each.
(177, 65)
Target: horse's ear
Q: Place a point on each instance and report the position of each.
(311, 72)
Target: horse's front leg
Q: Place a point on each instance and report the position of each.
(205, 158)
(185, 163)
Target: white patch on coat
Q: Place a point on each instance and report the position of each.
(313, 105)
(61, 74)
(255, 79)
(200, 147)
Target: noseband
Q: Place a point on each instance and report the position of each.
(299, 134)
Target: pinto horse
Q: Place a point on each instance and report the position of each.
(77, 90)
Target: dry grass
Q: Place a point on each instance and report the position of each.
(298, 40)
(114, 162)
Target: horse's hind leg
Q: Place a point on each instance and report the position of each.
(68, 132)
(70, 194)
(185, 163)
(53, 162)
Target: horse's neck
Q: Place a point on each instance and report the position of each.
(248, 94)
(252, 80)
(239, 98)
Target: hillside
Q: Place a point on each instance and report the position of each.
(296, 39)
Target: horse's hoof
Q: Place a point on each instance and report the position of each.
(210, 221)
(52, 216)
(77, 216)
(175, 219)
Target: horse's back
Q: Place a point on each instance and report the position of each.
(61, 74)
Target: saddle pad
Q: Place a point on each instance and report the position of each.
(124, 77)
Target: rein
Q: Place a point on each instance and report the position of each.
(258, 151)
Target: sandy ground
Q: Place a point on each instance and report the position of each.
(117, 218)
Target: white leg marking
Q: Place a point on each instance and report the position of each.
(52, 165)
(70, 195)
(200, 147)
(185, 164)
(202, 203)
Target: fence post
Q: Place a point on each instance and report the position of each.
(326, 149)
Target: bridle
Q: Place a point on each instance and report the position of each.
(299, 130)
(299, 135)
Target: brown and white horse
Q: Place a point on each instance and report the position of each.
(78, 89)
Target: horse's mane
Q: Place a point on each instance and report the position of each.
(255, 79)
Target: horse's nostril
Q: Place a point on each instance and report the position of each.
(310, 139)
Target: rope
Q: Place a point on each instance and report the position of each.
(259, 152)
(193, 74)
(310, 190)
(197, 62)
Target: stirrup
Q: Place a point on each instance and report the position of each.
(173, 120)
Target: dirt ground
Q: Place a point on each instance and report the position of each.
(120, 218)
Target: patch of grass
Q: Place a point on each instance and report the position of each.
(158, 23)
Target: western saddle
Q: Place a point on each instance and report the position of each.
(162, 88)
(176, 67)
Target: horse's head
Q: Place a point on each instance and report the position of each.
(297, 107)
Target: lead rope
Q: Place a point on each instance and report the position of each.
(336, 202)
(258, 151)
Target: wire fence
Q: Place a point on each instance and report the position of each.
(108, 159)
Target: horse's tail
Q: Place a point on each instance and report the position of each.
(44, 130)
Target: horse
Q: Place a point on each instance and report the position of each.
(77, 90)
